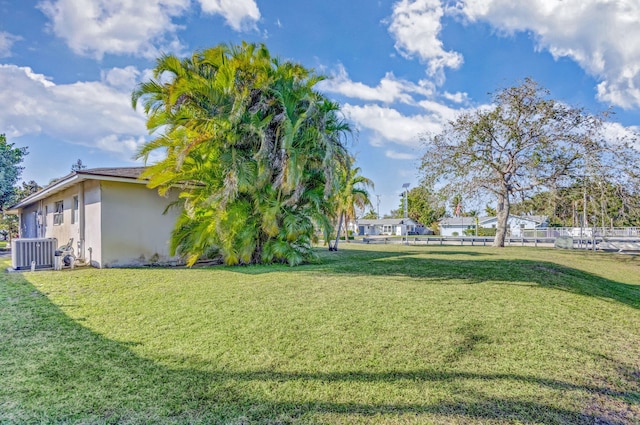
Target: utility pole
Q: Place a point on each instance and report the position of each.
(406, 209)
(584, 210)
(584, 216)
(378, 196)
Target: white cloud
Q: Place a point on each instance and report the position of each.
(389, 125)
(91, 114)
(400, 155)
(439, 110)
(240, 14)
(600, 35)
(615, 132)
(119, 144)
(124, 79)
(415, 25)
(96, 27)
(133, 27)
(389, 90)
(39, 78)
(6, 43)
(458, 97)
(386, 125)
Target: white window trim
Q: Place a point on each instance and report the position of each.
(58, 216)
(75, 209)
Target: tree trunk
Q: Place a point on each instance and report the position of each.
(346, 229)
(335, 245)
(503, 217)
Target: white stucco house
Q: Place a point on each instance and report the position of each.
(455, 226)
(389, 226)
(113, 218)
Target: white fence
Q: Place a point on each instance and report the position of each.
(582, 232)
(622, 239)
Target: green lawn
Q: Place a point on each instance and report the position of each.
(371, 334)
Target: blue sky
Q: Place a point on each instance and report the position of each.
(398, 68)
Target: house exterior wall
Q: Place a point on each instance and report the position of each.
(68, 227)
(38, 219)
(388, 227)
(457, 228)
(29, 225)
(368, 230)
(514, 224)
(92, 223)
(134, 229)
(449, 230)
(114, 225)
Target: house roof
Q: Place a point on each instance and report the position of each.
(538, 219)
(125, 172)
(535, 218)
(386, 222)
(470, 221)
(463, 221)
(121, 174)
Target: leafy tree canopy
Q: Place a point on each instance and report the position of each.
(524, 143)
(424, 206)
(603, 203)
(370, 215)
(9, 223)
(26, 189)
(10, 170)
(255, 151)
(352, 195)
(398, 213)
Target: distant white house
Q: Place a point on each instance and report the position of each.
(390, 227)
(456, 226)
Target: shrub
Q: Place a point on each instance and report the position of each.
(482, 231)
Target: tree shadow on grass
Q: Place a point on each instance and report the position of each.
(55, 370)
(460, 253)
(544, 274)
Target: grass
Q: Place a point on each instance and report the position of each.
(371, 334)
(3, 245)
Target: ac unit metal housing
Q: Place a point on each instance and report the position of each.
(41, 251)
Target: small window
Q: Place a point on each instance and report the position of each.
(58, 214)
(74, 216)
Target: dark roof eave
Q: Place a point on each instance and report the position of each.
(122, 174)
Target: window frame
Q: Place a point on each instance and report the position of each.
(75, 209)
(58, 213)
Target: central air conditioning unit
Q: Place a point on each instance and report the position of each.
(39, 252)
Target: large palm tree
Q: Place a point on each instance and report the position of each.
(353, 194)
(255, 152)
